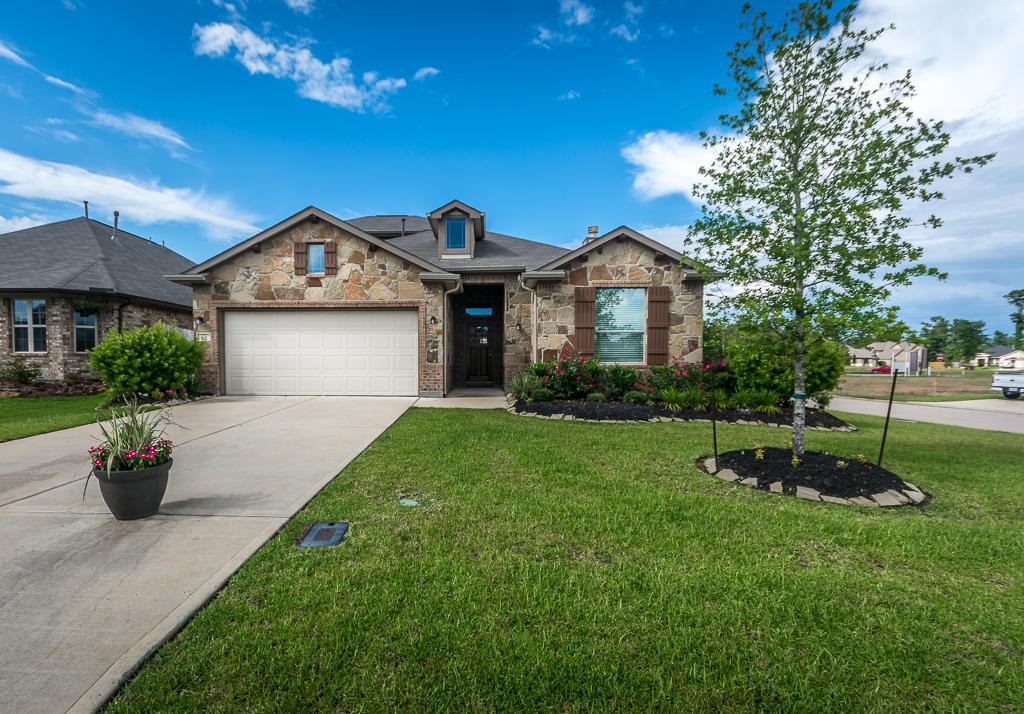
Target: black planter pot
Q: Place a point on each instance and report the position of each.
(134, 494)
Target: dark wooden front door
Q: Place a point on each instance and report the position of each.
(479, 341)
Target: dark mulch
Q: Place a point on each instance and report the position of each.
(620, 411)
(818, 471)
(50, 389)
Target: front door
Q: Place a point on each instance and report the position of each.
(479, 354)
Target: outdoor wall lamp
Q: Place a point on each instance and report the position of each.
(432, 320)
(519, 327)
(198, 320)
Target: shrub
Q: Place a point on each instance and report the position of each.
(21, 371)
(147, 361)
(637, 397)
(596, 397)
(672, 398)
(618, 380)
(767, 364)
(694, 398)
(522, 386)
(541, 394)
(574, 377)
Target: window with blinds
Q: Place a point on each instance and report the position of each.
(619, 324)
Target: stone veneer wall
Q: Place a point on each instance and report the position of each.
(622, 264)
(60, 361)
(367, 277)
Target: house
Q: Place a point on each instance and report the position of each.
(861, 357)
(1012, 360)
(992, 356)
(64, 285)
(407, 305)
(907, 357)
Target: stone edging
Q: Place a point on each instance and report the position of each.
(511, 409)
(912, 496)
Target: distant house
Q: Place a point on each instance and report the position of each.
(1012, 360)
(64, 285)
(992, 355)
(907, 357)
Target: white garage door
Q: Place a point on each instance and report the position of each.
(355, 352)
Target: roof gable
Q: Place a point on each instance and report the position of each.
(294, 220)
(626, 233)
(477, 217)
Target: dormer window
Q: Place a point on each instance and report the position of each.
(315, 258)
(455, 234)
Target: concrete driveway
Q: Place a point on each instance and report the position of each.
(84, 598)
(992, 414)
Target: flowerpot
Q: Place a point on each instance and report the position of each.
(134, 494)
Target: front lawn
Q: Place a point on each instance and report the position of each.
(559, 566)
(27, 416)
(944, 385)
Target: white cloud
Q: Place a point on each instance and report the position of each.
(332, 83)
(629, 29)
(575, 13)
(147, 202)
(672, 236)
(626, 33)
(233, 9)
(570, 95)
(424, 72)
(11, 55)
(666, 163)
(17, 223)
(134, 125)
(633, 11)
(301, 6)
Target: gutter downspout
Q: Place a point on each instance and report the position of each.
(444, 335)
(533, 318)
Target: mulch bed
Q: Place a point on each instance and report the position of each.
(819, 472)
(621, 411)
(50, 389)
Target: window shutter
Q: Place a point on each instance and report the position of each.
(330, 258)
(658, 297)
(584, 338)
(300, 258)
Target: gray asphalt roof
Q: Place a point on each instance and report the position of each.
(78, 255)
(496, 250)
(998, 350)
(391, 224)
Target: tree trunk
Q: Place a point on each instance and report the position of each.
(799, 398)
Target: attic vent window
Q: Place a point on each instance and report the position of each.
(455, 234)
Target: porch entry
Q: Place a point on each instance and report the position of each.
(479, 336)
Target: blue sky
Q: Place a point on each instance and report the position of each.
(204, 121)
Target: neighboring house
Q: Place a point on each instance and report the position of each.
(861, 357)
(992, 356)
(408, 305)
(907, 357)
(1012, 360)
(64, 285)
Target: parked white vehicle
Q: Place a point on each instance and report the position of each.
(1011, 384)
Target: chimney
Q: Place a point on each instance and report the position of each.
(403, 228)
(86, 204)
(591, 234)
(116, 214)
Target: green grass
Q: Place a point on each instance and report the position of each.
(559, 566)
(28, 416)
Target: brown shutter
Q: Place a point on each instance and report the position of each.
(300, 258)
(584, 338)
(658, 297)
(330, 258)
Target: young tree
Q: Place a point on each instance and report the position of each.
(966, 338)
(806, 204)
(1016, 299)
(935, 334)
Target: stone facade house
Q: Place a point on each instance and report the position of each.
(65, 285)
(407, 305)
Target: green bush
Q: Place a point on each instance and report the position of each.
(618, 380)
(767, 364)
(695, 398)
(637, 397)
(21, 371)
(150, 361)
(522, 386)
(542, 394)
(672, 398)
(574, 377)
(597, 397)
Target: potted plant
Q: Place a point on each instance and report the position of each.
(132, 460)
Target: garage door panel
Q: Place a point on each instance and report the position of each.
(345, 352)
